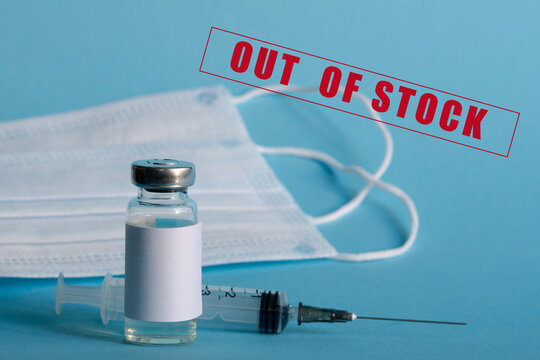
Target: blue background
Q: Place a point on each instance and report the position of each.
(476, 258)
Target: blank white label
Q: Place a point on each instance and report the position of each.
(163, 273)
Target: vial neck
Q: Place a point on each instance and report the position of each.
(162, 195)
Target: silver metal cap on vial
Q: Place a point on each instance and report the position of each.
(162, 174)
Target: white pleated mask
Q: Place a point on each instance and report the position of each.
(65, 185)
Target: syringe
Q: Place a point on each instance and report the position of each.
(223, 307)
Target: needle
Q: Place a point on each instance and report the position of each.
(354, 317)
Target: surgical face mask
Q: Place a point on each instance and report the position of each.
(65, 185)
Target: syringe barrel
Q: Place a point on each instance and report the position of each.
(224, 307)
(244, 309)
(112, 299)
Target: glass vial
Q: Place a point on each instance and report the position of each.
(162, 203)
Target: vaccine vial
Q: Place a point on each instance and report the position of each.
(163, 255)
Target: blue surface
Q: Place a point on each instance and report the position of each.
(477, 255)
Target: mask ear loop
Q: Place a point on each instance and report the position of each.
(331, 162)
(372, 180)
(389, 146)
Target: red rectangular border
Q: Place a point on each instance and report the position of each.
(359, 68)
